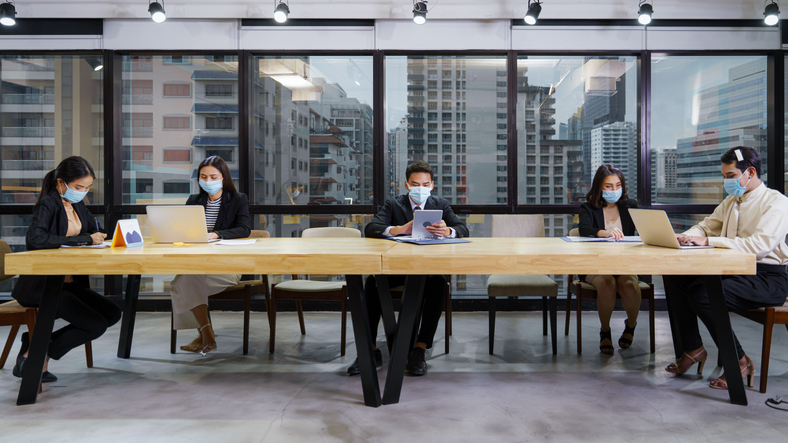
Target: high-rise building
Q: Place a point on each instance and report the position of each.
(616, 144)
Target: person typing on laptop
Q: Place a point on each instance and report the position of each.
(754, 219)
(396, 218)
(226, 216)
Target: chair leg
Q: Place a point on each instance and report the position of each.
(344, 323)
(768, 325)
(89, 354)
(272, 322)
(247, 312)
(579, 321)
(568, 307)
(491, 305)
(8, 343)
(553, 302)
(651, 332)
(301, 316)
(448, 312)
(173, 333)
(544, 316)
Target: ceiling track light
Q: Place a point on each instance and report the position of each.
(281, 11)
(420, 12)
(95, 63)
(771, 16)
(534, 9)
(7, 14)
(645, 12)
(156, 10)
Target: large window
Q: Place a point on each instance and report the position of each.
(459, 117)
(701, 106)
(312, 126)
(173, 119)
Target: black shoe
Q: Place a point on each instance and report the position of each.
(355, 370)
(46, 377)
(417, 365)
(24, 347)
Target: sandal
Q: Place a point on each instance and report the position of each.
(210, 346)
(748, 371)
(686, 361)
(194, 346)
(605, 349)
(624, 342)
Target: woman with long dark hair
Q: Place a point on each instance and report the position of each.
(227, 216)
(60, 218)
(606, 214)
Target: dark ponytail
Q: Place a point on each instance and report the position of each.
(70, 169)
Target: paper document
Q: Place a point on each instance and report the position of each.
(244, 242)
(105, 244)
(629, 238)
(429, 241)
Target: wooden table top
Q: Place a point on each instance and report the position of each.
(267, 255)
(555, 256)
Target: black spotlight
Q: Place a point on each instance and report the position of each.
(644, 14)
(7, 14)
(772, 14)
(156, 10)
(95, 63)
(420, 12)
(534, 9)
(281, 12)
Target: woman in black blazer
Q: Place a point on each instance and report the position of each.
(606, 214)
(226, 216)
(60, 217)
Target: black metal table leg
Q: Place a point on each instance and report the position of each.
(363, 336)
(722, 324)
(39, 342)
(387, 309)
(129, 315)
(411, 301)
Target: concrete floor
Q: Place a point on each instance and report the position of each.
(522, 393)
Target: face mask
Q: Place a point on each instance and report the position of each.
(419, 194)
(733, 187)
(211, 187)
(73, 196)
(612, 196)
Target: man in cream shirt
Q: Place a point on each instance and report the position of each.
(754, 219)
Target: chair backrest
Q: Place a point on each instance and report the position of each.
(257, 233)
(330, 232)
(530, 225)
(575, 232)
(4, 249)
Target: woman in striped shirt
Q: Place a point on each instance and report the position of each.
(227, 216)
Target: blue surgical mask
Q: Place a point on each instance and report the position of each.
(211, 187)
(73, 196)
(733, 187)
(613, 196)
(419, 194)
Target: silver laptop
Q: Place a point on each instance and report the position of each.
(655, 229)
(422, 219)
(182, 223)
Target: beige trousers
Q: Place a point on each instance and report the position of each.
(190, 291)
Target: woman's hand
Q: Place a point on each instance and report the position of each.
(692, 240)
(212, 236)
(98, 237)
(614, 233)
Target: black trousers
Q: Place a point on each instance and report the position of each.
(432, 305)
(88, 313)
(688, 299)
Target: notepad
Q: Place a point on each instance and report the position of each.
(629, 238)
(243, 242)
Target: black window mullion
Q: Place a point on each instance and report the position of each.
(246, 158)
(644, 124)
(378, 121)
(511, 140)
(775, 121)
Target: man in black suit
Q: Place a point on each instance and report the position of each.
(396, 218)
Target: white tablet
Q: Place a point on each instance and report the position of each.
(424, 218)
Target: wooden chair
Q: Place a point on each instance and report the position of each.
(586, 291)
(768, 317)
(396, 292)
(244, 291)
(522, 285)
(299, 290)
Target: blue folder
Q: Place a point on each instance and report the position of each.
(436, 241)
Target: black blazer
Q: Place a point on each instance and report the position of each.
(397, 211)
(48, 231)
(233, 220)
(592, 220)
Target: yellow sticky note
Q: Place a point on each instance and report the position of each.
(475, 218)
(179, 243)
(291, 219)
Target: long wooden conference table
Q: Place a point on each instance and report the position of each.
(357, 257)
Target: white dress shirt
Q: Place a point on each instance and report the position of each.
(413, 206)
(756, 222)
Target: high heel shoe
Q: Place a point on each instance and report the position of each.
(747, 371)
(605, 349)
(686, 361)
(624, 342)
(211, 346)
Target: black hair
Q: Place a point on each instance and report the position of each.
(70, 169)
(750, 157)
(218, 163)
(594, 196)
(419, 166)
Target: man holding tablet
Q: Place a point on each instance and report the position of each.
(396, 218)
(754, 219)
